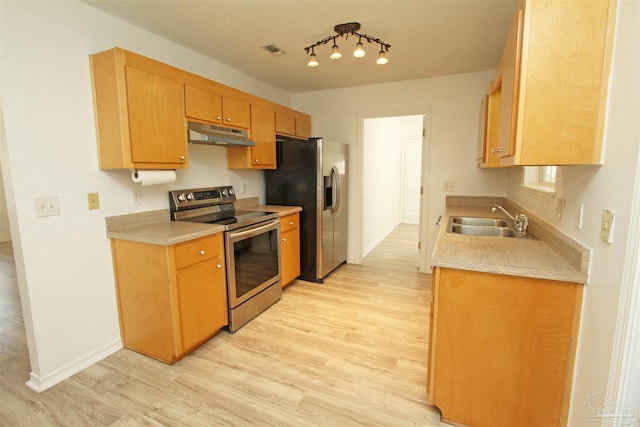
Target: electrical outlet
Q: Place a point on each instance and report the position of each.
(243, 187)
(47, 206)
(136, 198)
(449, 186)
(606, 229)
(578, 217)
(93, 200)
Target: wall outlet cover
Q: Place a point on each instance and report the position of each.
(449, 186)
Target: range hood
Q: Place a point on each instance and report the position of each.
(202, 133)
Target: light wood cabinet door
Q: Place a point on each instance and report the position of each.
(502, 348)
(488, 133)
(303, 127)
(507, 85)
(553, 82)
(290, 247)
(481, 152)
(202, 104)
(236, 113)
(285, 123)
(264, 135)
(156, 118)
(201, 300)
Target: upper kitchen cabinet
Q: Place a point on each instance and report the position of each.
(142, 107)
(292, 123)
(488, 134)
(263, 133)
(211, 107)
(139, 113)
(552, 82)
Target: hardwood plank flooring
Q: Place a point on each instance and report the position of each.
(349, 352)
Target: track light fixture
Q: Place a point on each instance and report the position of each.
(344, 30)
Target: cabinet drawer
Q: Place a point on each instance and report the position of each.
(289, 222)
(197, 250)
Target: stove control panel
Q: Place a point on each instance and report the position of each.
(187, 199)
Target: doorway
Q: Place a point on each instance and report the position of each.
(392, 156)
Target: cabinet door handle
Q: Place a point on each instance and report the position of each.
(218, 117)
(284, 240)
(255, 160)
(181, 157)
(290, 222)
(218, 265)
(201, 252)
(497, 150)
(228, 119)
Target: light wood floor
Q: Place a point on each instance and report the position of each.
(349, 352)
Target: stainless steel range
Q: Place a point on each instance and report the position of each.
(252, 248)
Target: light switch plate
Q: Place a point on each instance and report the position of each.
(47, 206)
(606, 229)
(136, 198)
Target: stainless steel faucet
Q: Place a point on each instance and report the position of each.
(520, 221)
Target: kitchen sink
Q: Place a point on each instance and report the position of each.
(482, 230)
(488, 227)
(465, 220)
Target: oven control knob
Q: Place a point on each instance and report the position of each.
(190, 196)
(224, 192)
(181, 197)
(231, 192)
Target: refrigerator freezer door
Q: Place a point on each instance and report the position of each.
(334, 220)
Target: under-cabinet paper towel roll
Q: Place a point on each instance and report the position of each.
(153, 177)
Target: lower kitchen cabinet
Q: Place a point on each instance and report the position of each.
(290, 247)
(172, 298)
(502, 348)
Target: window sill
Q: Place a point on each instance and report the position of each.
(539, 192)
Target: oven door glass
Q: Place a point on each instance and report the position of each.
(253, 260)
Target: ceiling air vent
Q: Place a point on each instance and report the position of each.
(274, 50)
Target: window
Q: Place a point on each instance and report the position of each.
(540, 181)
(547, 175)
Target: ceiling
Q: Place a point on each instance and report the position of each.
(428, 38)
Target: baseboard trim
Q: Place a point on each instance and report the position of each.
(39, 383)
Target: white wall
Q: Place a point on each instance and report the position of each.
(609, 186)
(382, 173)
(49, 148)
(453, 103)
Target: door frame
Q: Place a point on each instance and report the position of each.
(404, 143)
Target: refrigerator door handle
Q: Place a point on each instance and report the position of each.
(335, 183)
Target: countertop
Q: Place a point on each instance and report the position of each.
(156, 228)
(526, 257)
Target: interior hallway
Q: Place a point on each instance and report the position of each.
(351, 351)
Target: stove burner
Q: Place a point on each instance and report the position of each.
(213, 206)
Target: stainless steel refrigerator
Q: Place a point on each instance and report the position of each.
(313, 174)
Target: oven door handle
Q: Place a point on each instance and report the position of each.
(255, 230)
